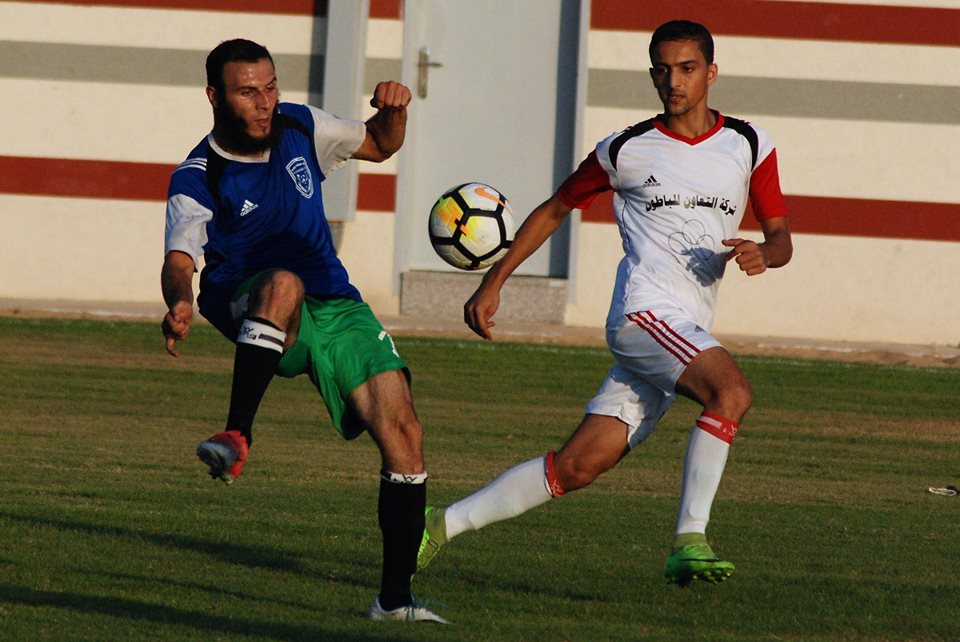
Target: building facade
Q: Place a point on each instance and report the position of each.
(105, 98)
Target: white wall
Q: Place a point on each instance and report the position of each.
(852, 287)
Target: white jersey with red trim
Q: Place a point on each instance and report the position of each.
(675, 200)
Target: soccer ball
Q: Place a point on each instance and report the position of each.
(471, 226)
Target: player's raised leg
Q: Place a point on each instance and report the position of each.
(595, 447)
(268, 327)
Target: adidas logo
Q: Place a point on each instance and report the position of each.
(247, 207)
(651, 182)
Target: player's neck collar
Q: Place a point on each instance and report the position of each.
(660, 122)
(263, 158)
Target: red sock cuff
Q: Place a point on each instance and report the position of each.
(553, 482)
(722, 429)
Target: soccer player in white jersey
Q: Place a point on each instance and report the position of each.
(681, 182)
(248, 199)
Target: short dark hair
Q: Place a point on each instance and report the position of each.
(236, 50)
(684, 30)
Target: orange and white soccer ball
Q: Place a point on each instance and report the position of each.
(471, 226)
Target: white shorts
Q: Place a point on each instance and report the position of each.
(652, 347)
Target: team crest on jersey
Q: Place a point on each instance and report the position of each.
(302, 178)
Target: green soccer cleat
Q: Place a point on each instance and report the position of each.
(696, 562)
(434, 536)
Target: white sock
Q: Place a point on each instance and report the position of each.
(702, 469)
(514, 492)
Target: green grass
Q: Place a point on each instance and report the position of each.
(110, 529)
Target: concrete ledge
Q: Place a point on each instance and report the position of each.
(441, 295)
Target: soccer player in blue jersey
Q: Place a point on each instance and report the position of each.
(248, 200)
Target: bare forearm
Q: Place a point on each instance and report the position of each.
(777, 245)
(543, 221)
(176, 279)
(536, 229)
(776, 254)
(388, 129)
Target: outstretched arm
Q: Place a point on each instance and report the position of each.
(775, 250)
(542, 222)
(386, 128)
(176, 281)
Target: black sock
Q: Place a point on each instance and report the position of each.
(401, 519)
(253, 368)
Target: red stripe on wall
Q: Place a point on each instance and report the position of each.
(390, 9)
(291, 7)
(866, 217)
(84, 178)
(779, 19)
(844, 217)
(138, 181)
(377, 192)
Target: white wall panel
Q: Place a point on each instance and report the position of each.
(834, 289)
(846, 288)
(366, 250)
(71, 248)
(384, 39)
(106, 121)
(158, 28)
(862, 159)
(794, 58)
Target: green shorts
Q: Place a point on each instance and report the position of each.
(340, 345)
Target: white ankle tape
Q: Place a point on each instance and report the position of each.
(262, 335)
(398, 478)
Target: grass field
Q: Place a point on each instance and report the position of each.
(111, 530)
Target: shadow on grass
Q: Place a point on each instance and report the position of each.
(255, 557)
(158, 614)
(215, 588)
(251, 556)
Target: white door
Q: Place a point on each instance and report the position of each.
(495, 105)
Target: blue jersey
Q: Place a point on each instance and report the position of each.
(248, 215)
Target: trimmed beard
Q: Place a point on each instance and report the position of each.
(230, 131)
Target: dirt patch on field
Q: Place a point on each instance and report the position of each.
(920, 356)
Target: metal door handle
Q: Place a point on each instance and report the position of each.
(423, 70)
